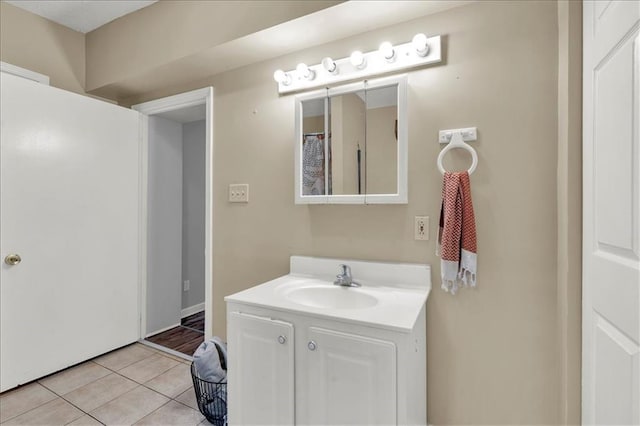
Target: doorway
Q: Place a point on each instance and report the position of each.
(175, 295)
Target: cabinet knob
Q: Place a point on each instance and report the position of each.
(312, 345)
(282, 340)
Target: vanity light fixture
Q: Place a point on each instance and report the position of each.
(388, 58)
(358, 60)
(330, 65)
(304, 72)
(282, 77)
(387, 51)
(419, 43)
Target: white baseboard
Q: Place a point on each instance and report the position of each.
(161, 330)
(192, 310)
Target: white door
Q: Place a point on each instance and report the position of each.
(260, 370)
(350, 380)
(611, 205)
(69, 209)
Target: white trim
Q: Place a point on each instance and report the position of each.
(171, 103)
(208, 227)
(142, 242)
(347, 88)
(166, 350)
(192, 310)
(160, 330)
(24, 73)
(299, 117)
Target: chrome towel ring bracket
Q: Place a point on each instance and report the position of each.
(455, 138)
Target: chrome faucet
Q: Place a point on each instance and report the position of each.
(344, 278)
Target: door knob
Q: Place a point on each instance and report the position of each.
(12, 259)
(312, 345)
(282, 340)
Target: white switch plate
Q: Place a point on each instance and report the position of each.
(421, 228)
(239, 193)
(186, 285)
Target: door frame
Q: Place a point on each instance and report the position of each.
(172, 103)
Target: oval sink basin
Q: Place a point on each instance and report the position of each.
(334, 297)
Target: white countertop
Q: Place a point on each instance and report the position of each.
(400, 291)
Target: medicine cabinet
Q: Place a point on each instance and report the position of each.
(351, 144)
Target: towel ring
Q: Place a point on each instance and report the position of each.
(458, 142)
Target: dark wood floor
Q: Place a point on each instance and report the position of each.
(184, 338)
(195, 321)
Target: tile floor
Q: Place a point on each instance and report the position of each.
(133, 385)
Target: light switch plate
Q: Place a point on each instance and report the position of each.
(421, 228)
(239, 193)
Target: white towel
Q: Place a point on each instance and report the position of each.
(209, 364)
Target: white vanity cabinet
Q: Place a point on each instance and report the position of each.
(263, 368)
(347, 379)
(342, 373)
(344, 356)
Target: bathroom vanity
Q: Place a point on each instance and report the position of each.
(305, 351)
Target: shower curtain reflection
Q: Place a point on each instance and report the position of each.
(313, 165)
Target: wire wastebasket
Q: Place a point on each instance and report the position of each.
(211, 397)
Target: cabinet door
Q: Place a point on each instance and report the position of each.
(350, 379)
(260, 371)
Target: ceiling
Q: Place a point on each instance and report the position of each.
(81, 15)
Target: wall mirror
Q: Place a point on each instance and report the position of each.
(351, 144)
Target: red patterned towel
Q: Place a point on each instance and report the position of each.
(457, 233)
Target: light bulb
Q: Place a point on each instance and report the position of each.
(358, 60)
(419, 43)
(304, 72)
(330, 65)
(387, 50)
(282, 77)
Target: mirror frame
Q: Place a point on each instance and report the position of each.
(401, 197)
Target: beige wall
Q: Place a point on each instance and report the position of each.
(170, 30)
(337, 148)
(40, 45)
(382, 151)
(493, 351)
(495, 354)
(313, 124)
(348, 131)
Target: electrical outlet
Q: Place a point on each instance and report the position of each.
(239, 193)
(421, 228)
(186, 285)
